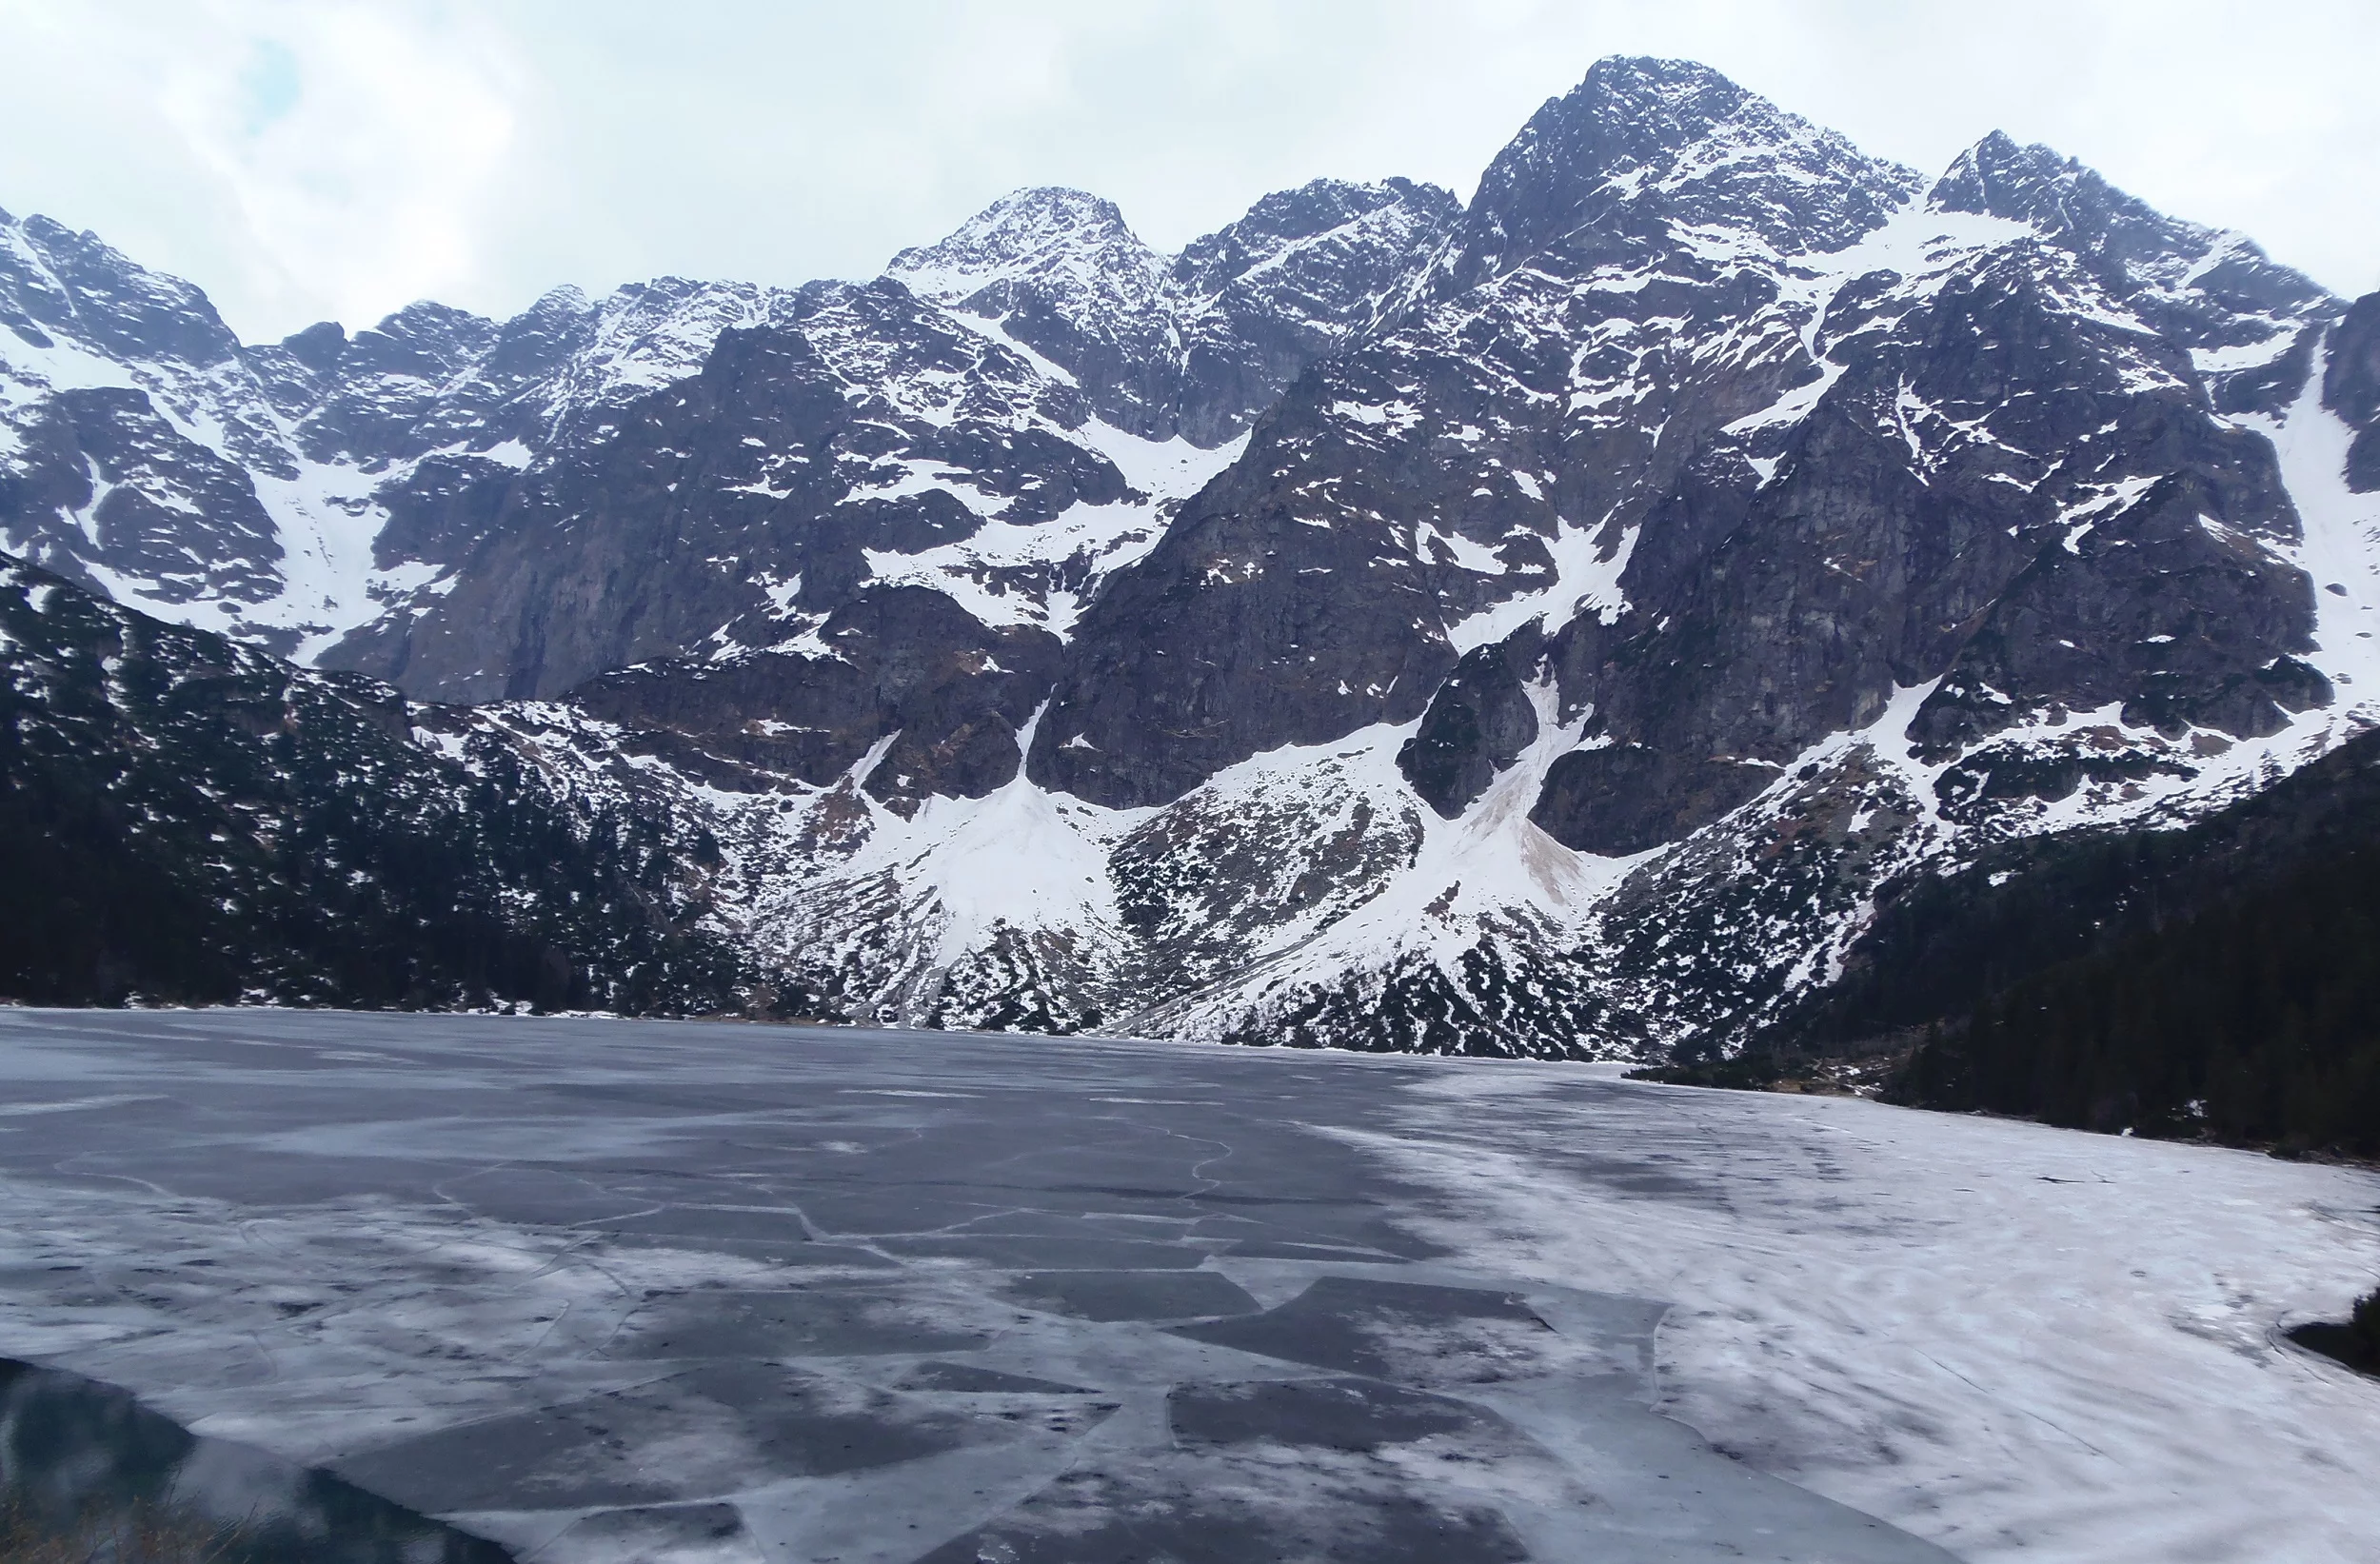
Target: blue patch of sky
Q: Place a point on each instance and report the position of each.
(270, 85)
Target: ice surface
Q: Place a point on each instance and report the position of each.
(625, 1290)
(2021, 1342)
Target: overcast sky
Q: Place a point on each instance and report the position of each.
(309, 160)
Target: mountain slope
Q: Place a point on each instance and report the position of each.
(2221, 979)
(186, 820)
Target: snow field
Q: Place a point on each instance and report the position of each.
(2015, 1342)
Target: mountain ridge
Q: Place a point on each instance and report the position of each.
(1549, 625)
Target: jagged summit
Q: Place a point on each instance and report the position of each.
(2210, 288)
(1064, 275)
(1280, 221)
(1032, 232)
(2057, 194)
(1643, 146)
(426, 338)
(1043, 233)
(58, 283)
(317, 346)
(1194, 344)
(566, 297)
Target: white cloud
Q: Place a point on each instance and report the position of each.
(296, 159)
(344, 158)
(358, 151)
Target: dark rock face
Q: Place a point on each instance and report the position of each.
(1623, 798)
(1246, 629)
(1971, 459)
(2351, 387)
(900, 662)
(2169, 614)
(1477, 725)
(120, 479)
(742, 507)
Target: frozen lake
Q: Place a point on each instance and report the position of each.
(614, 1291)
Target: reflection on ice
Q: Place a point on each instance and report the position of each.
(79, 1458)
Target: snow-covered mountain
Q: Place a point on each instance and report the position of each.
(1198, 344)
(409, 499)
(1543, 625)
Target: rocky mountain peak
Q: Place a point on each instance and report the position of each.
(1644, 146)
(318, 347)
(425, 339)
(1279, 221)
(535, 341)
(1048, 238)
(2207, 286)
(569, 299)
(58, 283)
(1064, 275)
(2035, 184)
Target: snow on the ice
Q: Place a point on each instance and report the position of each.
(2022, 1343)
